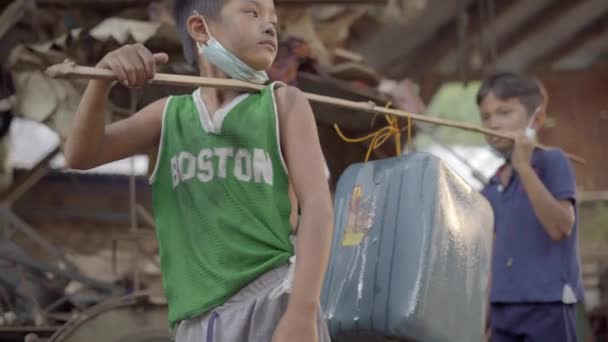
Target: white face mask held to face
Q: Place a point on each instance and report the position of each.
(219, 56)
(531, 132)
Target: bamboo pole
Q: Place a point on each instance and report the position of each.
(70, 70)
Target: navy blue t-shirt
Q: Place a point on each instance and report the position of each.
(528, 266)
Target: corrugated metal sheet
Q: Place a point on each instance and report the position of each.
(31, 141)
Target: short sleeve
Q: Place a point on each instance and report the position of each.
(558, 176)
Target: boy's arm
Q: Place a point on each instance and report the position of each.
(556, 216)
(302, 151)
(90, 143)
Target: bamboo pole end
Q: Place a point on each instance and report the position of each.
(61, 70)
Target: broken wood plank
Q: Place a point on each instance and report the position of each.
(13, 193)
(546, 40)
(328, 115)
(11, 15)
(585, 54)
(505, 24)
(347, 55)
(126, 3)
(394, 42)
(350, 71)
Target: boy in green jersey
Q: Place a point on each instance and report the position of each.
(225, 166)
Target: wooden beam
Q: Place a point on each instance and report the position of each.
(11, 15)
(548, 39)
(576, 43)
(423, 61)
(537, 71)
(585, 54)
(455, 35)
(126, 3)
(87, 2)
(325, 2)
(506, 23)
(7, 215)
(32, 177)
(394, 42)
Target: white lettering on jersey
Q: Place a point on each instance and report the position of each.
(174, 171)
(223, 153)
(262, 166)
(242, 160)
(205, 165)
(187, 166)
(248, 166)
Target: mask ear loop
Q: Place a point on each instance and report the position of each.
(530, 131)
(205, 44)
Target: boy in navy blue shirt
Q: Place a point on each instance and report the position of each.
(536, 274)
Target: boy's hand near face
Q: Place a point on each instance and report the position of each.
(523, 149)
(133, 64)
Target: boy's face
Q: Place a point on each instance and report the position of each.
(502, 115)
(247, 28)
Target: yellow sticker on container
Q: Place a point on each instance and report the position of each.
(360, 217)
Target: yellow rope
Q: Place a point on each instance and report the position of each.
(380, 136)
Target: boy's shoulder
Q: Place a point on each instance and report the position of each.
(556, 172)
(286, 92)
(288, 97)
(179, 97)
(550, 157)
(178, 101)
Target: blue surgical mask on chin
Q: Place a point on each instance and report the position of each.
(217, 55)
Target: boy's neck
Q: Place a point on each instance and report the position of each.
(215, 98)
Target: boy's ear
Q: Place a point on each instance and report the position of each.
(539, 119)
(542, 111)
(198, 29)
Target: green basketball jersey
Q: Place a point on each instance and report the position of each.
(220, 196)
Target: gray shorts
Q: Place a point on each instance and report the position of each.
(251, 315)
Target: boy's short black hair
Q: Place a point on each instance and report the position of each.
(182, 10)
(510, 85)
